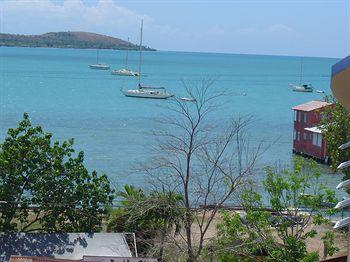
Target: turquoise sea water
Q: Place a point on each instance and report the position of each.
(60, 92)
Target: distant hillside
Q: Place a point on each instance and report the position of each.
(68, 40)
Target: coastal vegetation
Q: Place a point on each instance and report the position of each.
(45, 188)
(296, 198)
(335, 125)
(154, 218)
(81, 40)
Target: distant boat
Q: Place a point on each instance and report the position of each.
(99, 66)
(188, 99)
(125, 71)
(146, 91)
(301, 87)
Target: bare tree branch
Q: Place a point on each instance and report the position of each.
(200, 158)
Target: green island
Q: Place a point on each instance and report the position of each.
(83, 40)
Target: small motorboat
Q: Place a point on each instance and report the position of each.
(188, 99)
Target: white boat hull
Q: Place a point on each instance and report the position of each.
(297, 88)
(188, 99)
(123, 72)
(100, 67)
(146, 94)
(142, 91)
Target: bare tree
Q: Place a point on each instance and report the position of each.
(202, 157)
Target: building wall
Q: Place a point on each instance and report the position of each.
(341, 81)
(303, 139)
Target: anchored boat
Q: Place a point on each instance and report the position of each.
(99, 66)
(301, 87)
(146, 91)
(125, 71)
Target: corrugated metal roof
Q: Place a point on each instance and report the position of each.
(310, 106)
(314, 129)
(63, 245)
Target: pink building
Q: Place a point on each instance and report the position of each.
(307, 137)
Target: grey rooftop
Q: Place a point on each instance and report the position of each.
(63, 245)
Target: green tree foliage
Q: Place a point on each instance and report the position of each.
(280, 234)
(335, 125)
(152, 217)
(43, 187)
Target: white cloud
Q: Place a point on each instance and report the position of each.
(111, 18)
(246, 31)
(105, 17)
(41, 16)
(280, 29)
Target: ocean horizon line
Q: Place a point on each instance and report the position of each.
(176, 51)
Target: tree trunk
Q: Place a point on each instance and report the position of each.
(188, 222)
(161, 250)
(190, 254)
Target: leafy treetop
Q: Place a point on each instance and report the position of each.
(43, 187)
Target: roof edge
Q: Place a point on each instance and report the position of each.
(341, 65)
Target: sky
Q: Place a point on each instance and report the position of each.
(273, 27)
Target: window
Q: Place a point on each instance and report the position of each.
(298, 136)
(305, 117)
(314, 139)
(295, 115)
(304, 136)
(294, 135)
(299, 117)
(317, 139)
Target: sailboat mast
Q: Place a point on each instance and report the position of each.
(97, 56)
(301, 71)
(140, 51)
(126, 58)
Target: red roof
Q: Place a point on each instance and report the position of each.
(310, 106)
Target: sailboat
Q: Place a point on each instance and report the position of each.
(146, 91)
(301, 87)
(125, 71)
(98, 65)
